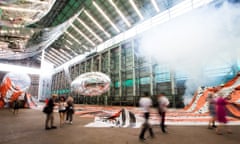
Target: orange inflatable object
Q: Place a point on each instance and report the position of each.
(6, 87)
(230, 88)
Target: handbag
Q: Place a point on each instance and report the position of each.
(47, 110)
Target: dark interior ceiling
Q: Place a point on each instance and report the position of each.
(99, 20)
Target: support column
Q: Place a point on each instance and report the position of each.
(109, 71)
(99, 69)
(40, 76)
(91, 67)
(120, 73)
(100, 62)
(134, 73)
(172, 76)
(151, 76)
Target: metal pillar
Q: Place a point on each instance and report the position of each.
(151, 76)
(134, 73)
(172, 76)
(120, 73)
(109, 71)
(40, 81)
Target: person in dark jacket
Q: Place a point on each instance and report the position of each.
(50, 115)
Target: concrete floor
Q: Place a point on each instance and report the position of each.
(28, 128)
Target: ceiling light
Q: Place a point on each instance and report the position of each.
(154, 3)
(82, 34)
(55, 56)
(69, 42)
(97, 24)
(49, 60)
(136, 9)
(86, 48)
(63, 56)
(105, 16)
(66, 53)
(89, 29)
(73, 37)
(120, 13)
(70, 49)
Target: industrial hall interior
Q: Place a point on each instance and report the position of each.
(120, 71)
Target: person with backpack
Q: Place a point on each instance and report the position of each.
(49, 113)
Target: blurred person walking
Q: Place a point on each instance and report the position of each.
(145, 103)
(222, 114)
(163, 103)
(212, 110)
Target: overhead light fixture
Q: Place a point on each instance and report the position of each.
(86, 48)
(97, 24)
(154, 3)
(69, 42)
(82, 34)
(58, 56)
(39, 58)
(120, 13)
(20, 9)
(67, 47)
(136, 9)
(89, 29)
(55, 56)
(73, 37)
(62, 55)
(105, 16)
(49, 60)
(66, 53)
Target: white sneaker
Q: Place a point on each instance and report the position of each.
(70, 122)
(66, 121)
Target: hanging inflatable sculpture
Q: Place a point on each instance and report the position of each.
(19, 13)
(13, 86)
(91, 84)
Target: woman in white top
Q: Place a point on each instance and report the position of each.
(62, 110)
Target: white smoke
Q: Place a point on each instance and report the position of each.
(191, 43)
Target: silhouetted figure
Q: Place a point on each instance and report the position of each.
(15, 107)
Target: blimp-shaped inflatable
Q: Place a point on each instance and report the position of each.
(91, 84)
